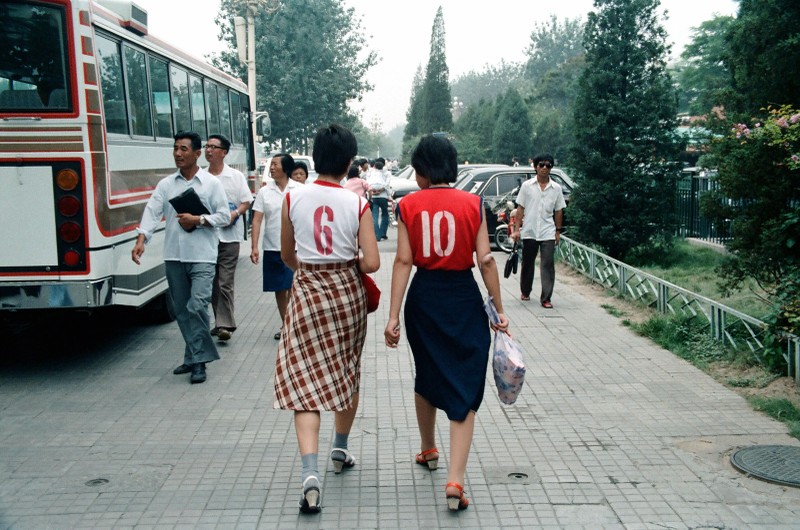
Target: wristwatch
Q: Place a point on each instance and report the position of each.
(203, 220)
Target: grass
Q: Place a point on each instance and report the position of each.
(693, 267)
(781, 409)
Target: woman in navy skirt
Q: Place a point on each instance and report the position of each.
(440, 230)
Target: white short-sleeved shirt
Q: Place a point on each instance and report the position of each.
(269, 201)
(540, 205)
(326, 219)
(237, 191)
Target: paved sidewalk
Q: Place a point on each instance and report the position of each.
(610, 431)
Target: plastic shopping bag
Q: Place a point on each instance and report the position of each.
(507, 363)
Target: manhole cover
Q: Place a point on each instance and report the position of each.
(774, 463)
(97, 482)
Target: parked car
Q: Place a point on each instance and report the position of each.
(501, 184)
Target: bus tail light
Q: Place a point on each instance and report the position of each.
(69, 232)
(67, 179)
(72, 258)
(69, 206)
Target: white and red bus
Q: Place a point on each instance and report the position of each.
(89, 104)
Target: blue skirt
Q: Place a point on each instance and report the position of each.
(277, 276)
(448, 331)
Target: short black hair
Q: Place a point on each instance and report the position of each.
(435, 158)
(300, 165)
(545, 157)
(353, 172)
(225, 143)
(287, 163)
(197, 142)
(334, 150)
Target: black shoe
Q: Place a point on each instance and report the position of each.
(198, 373)
(277, 336)
(214, 332)
(182, 369)
(223, 334)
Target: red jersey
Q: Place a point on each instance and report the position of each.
(442, 227)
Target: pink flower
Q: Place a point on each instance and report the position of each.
(795, 118)
(795, 159)
(782, 122)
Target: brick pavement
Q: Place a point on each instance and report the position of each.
(610, 431)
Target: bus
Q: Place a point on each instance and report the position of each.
(89, 105)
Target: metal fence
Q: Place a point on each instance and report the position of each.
(723, 323)
(690, 221)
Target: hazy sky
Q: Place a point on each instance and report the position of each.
(477, 33)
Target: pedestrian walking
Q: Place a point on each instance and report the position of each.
(440, 230)
(318, 366)
(190, 249)
(277, 277)
(380, 191)
(230, 236)
(540, 215)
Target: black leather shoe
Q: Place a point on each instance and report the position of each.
(182, 369)
(198, 373)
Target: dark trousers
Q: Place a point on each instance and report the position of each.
(380, 216)
(530, 248)
(224, 283)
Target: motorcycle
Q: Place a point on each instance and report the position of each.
(504, 209)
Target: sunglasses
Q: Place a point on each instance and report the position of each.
(544, 164)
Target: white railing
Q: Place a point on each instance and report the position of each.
(723, 323)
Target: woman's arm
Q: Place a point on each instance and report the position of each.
(401, 271)
(488, 268)
(370, 259)
(255, 232)
(288, 243)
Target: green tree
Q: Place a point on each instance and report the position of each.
(414, 114)
(512, 132)
(472, 130)
(625, 119)
(474, 86)
(552, 45)
(307, 72)
(764, 55)
(436, 89)
(703, 76)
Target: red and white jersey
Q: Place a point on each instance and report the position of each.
(326, 218)
(442, 227)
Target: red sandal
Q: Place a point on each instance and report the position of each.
(456, 502)
(432, 462)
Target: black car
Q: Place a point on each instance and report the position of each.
(499, 184)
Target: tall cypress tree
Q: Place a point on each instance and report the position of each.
(437, 115)
(625, 120)
(512, 132)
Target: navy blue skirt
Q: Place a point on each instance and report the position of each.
(448, 331)
(277, 276)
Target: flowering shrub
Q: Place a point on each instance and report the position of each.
(781, 129)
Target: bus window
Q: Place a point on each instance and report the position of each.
(138, 93)
(180, 99)
(33, 70)
(159, 84)
(224, 112)
(238, 126)
(198, 106)
(111, 82)
(212, 108)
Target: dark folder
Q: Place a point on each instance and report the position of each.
(188, 202)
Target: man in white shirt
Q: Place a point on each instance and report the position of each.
(277, 277)
(379, 182)
(230, 237)
(540, 214)
(190, 249)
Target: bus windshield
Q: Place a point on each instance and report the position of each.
(34, 66)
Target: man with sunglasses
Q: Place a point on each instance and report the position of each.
(540, 214)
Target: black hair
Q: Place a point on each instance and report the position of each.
(546, 157)
(197, 142)
(226, 144)
(378, 164)
(353, 172)
(287, 163)
(300, 165)
(334, 150)
(435, 158)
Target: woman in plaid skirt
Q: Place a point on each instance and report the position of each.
(318, 366)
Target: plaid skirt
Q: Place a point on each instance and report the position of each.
(318, 366)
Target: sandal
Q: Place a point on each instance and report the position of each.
(432, 462)
(341, 459)
(456, 502)
(310, 501)
(547, 305)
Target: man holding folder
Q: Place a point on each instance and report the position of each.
(190, 246)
